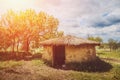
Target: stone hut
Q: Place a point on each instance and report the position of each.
(69, 49)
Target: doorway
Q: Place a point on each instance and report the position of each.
(58, 56)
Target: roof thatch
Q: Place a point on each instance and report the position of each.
(68, 40)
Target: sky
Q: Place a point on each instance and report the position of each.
(76, 17)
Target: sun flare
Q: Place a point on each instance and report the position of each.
(17, 4)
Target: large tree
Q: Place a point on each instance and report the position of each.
(28, 27)
(4, 39)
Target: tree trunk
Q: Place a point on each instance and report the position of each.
(5, 50)
(110, 48)
(13, 48)
(27, 45)
(17, 46)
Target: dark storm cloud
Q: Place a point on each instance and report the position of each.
(108, 19)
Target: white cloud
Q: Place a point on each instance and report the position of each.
(83, 17)
(95, 17)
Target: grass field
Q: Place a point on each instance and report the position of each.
(38, 70)
(107, 54)
(9, 64)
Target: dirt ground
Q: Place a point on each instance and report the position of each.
(28, 71)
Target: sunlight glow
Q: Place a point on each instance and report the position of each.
(17, 4)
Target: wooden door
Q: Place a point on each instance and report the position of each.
(58, 55)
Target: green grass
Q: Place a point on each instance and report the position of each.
(113, 74)
(44, 72)
(9, 64)
(48, 73)
(107, 54)
(38, 62)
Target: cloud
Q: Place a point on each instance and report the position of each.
(108, 19)
(94, 17)
(83, 17)
(52, 2)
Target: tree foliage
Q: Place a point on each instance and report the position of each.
(4, 39)
(113, 44)
(20, 30)
(97, 39)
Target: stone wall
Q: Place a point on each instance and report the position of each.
(47, 55)
(80, 53)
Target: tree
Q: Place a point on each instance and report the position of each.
(91, 38)
(8, 20)
(4, 39)
(97, 39)
(118, 44)
(112, 44)
(28, 27)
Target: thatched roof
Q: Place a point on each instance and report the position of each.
(68, 40)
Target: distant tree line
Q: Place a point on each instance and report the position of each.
(111, 43)
(97, 39)
(21, 31)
